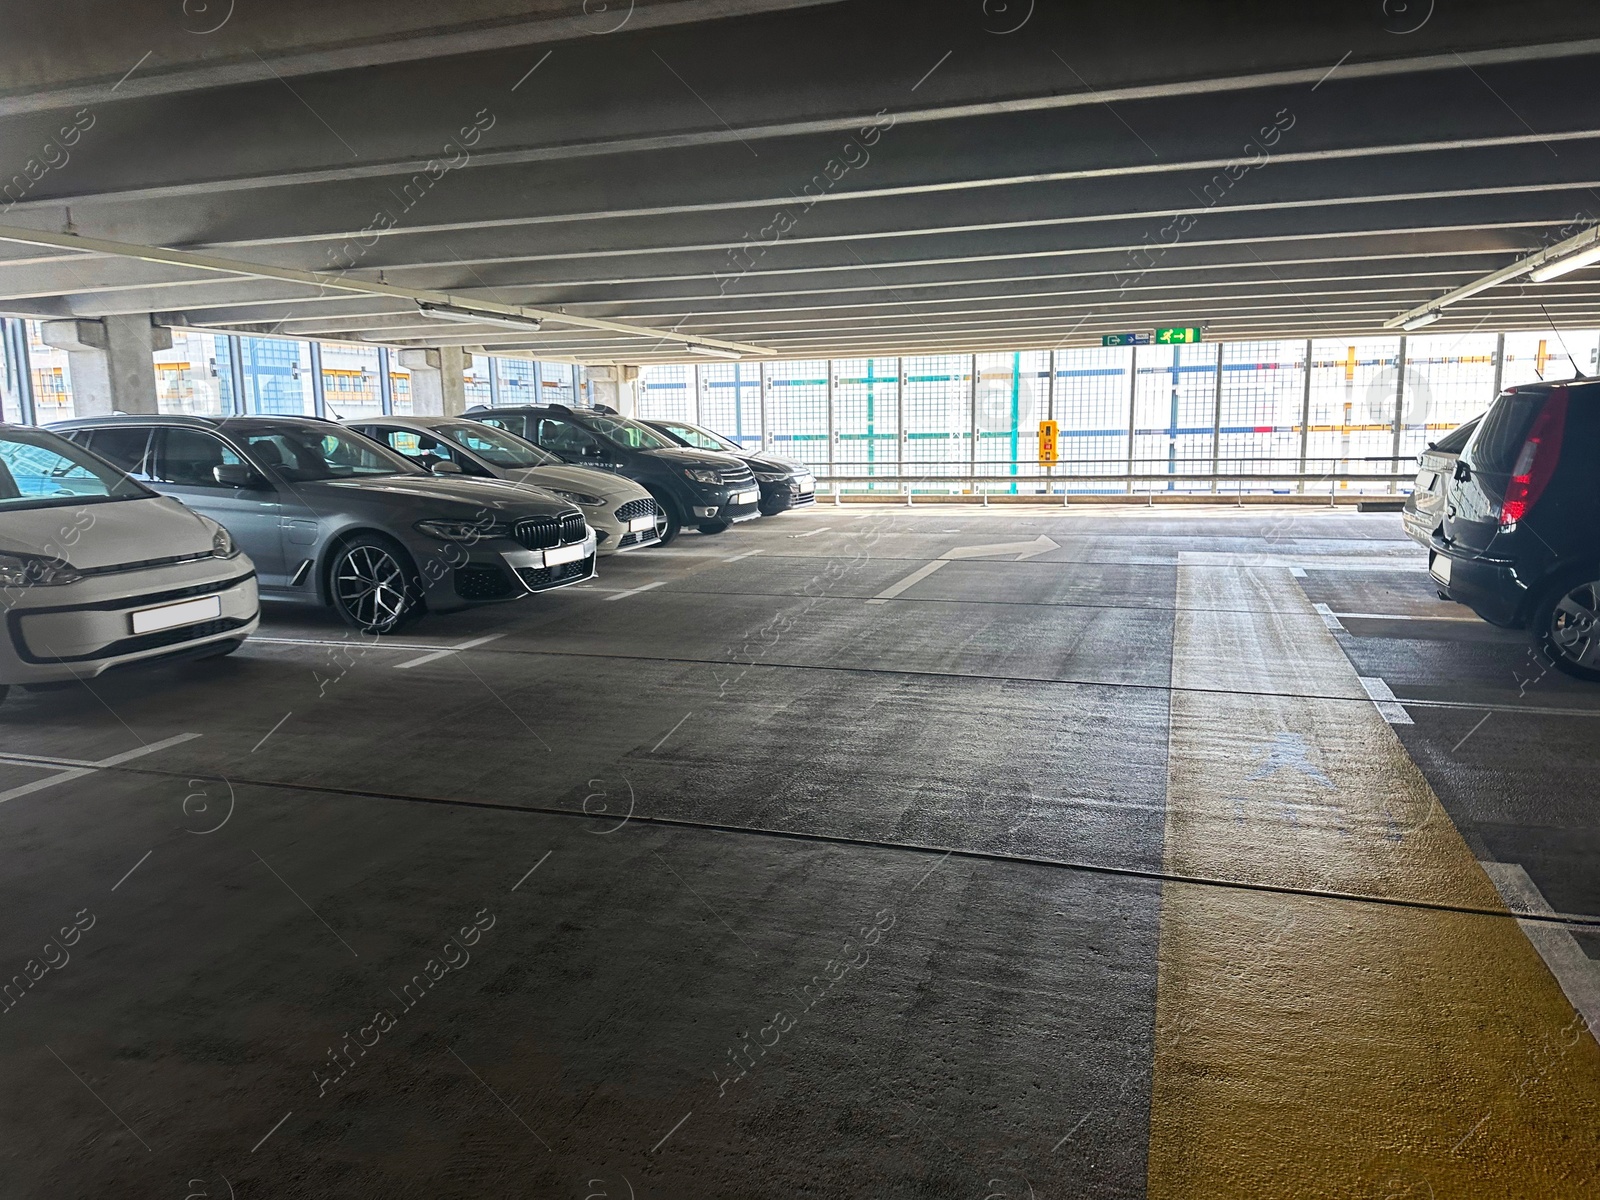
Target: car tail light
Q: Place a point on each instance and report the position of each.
(1536, 465)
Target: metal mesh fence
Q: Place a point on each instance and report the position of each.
(797, 411)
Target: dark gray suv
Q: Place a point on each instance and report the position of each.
(331, 517)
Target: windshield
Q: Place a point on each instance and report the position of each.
(700, 439)
(496, 446)
(625, 432)
(1456, 440)
(41, 470)
(306, 453)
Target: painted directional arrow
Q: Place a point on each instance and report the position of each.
(1022, 550)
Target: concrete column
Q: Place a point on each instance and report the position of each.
(438, 380)
(614, 386)
(111, 362)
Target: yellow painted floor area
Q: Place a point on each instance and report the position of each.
(1309, 1046)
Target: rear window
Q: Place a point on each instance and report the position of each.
(1500, 438)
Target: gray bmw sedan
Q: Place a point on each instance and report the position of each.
(331, 517)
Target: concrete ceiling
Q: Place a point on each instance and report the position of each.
(809, 179)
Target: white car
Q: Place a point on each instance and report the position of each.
(97, 571)
(622, 514)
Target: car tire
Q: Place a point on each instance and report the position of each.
(1566, 624)
(373, 584)
(771, 508)
(668, 523)
(4, 688)
(714, 527)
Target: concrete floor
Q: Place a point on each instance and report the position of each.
(1097, 873)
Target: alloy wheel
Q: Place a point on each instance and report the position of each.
(1575, 626)
(371, 586)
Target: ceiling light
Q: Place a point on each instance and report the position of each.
(1572, 262)
(1421, 319)
(474, 316)
(711, 351)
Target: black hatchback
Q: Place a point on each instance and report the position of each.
(692, 487)
(1520, 540)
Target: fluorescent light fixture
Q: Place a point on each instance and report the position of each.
(1572, 262)
(474, 316)
(1421, 319)
(711, 351)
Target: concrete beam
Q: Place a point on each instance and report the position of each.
(111, 362)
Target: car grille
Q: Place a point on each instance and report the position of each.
(634, 509)
(738, 475)
(538, 578)
(803, 498)
(633, 539)
(541, 533)
(482, 583)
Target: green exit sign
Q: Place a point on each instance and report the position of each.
(1182, 335)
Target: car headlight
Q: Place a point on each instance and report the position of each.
(779, 478)
(582, 498)
(222, 544)
(464, 531)
(28, 570)
(700, 476)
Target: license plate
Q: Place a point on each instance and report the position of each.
(565, 554)
(749, 497)
(805, 485)
(1440, 569)
(640, 524)
(170, 616)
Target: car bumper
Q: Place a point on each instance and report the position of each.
(81, 630)
(1490, 587)
(507, 571)
(781, 496)
(617, 535)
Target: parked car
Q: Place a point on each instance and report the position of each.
(98, 571)
(622, 514)
(1520, 540)
(1424, 508)
(784, 483)
(703, 488)
(331, 517)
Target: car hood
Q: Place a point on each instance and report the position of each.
(610, 488)
(772, 464)
(108, 533)
(450, 496)
(705, 460)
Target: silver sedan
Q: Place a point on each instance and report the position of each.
(623, 515)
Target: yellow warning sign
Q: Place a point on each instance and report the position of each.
(1049, 443)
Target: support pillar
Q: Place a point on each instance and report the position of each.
(112, 363)
(438, 380)
(615, 387)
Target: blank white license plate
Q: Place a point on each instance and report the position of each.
(170, 616)
(749, 497)
(640, 524)
(564, 554)
(1441, 568)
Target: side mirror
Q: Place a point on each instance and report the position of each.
(237, 475)
(445, 467)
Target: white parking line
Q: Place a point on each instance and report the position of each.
(1575, 971)
(1362, 616)
(910, 580)
(635, 591)
(38, 785)
(746, 554)
(1389, 706)
(1328, 619)
(446, 652)
(811, 532)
